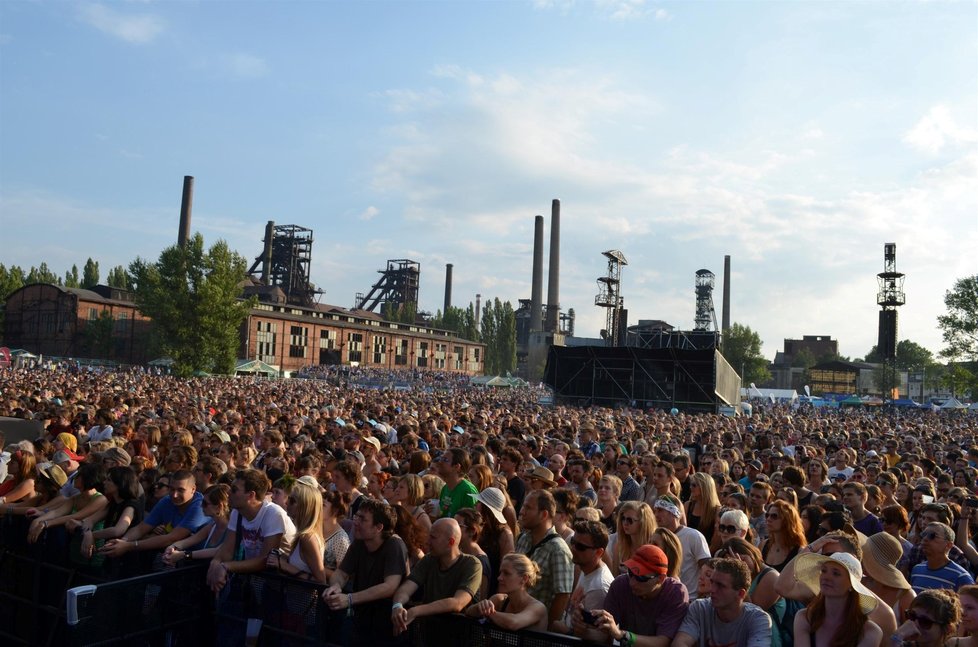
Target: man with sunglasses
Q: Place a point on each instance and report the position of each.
(932, 513)
(587, 546)
(938, 571)
(644, 607)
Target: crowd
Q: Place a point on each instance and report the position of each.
(789, 527)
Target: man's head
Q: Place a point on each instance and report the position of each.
(588, 543)
(578, 471)
(247, 491)
(760, 494)
(731, 579)
(374, 520)
(667, 511)
(662, 476)
(443, 538)
(936, 513)
(182, 487)
(854, 496)
(937, 539)
(646, 568)
(538, 510)
(625, 466)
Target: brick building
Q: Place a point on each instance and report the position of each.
(103, 323)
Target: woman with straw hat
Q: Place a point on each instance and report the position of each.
(881, 552)
(839, 614)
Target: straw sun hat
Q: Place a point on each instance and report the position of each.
(881, 552)
(809, 567)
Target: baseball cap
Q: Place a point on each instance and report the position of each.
(648, 560)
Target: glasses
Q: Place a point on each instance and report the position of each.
(932, 534)
(923, 622)
(623, 462)
(629, 520)
(582, 547)
(635, 576)
(772, 515)
(728, 529)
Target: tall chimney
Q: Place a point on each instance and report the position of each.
(478, 313)
(553, 275)
(536, 286)
(266, 257)
(725, 317)
(186, 205)
(448, 288)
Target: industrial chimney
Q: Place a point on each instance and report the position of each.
(266, 255)
(448, 288)
(553, 276)
(478, 313)
(536, 287)
(186, 205)
(725, 317)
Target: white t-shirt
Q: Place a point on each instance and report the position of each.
(97, 433)
(590, 591)
(695, 548)
(270, 520)
(847, 471)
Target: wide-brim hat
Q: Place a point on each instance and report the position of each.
(808, 569)
(542, 474)
(881, 553)
(494, 500)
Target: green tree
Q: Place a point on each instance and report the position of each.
(98, 335)
(960, 324)
(886, 378)
(742, 349)
(11, 280)
(90, 274)
(71, 278)
(804, 359)
(119, 278)
(912, 356)
(958, 380)
(506, 337)
(42, 274)
(192, 296)
(490, 326)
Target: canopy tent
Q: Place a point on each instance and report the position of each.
(254, 367)
(953, 403)
(496, 381)
(852, 401)
(776, 395)
(165, 362)
(905, 402)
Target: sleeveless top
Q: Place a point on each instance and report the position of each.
(778, 567)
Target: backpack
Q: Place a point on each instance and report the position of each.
(785, 624)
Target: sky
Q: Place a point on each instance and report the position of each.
(797, 137)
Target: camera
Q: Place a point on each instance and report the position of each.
(588, 617)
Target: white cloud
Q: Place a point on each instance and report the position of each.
(246, 66)
(369, 213)
(938, 129)
(132, 28)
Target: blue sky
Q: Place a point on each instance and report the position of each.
(798, 137)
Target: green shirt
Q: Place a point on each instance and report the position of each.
(463, 496)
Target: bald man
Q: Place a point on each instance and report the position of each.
(448, 579)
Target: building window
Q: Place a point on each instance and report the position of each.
(298, 340)
(92, 314)
(327, 339)
(459, 358)
(380, 348)
(401, 352)
(265, 342)
(122, 324)
(423, 354)
(355, 340)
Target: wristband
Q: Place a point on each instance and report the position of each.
(349, 609)
(396, 606)
(629, 638)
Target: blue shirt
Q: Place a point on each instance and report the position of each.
(950, 576)
(166, 514)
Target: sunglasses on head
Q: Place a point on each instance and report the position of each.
(923, 622)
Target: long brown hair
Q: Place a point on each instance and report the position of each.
(792, 533)
(850, 629)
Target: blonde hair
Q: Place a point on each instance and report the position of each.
(433, 482)
(669, 543)
(524, 567)
(708, 500)
(308, 517)
(415, 488)
(646, 522)
(615, 483)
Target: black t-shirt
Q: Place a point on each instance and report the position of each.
(516, 488)
(372, 620)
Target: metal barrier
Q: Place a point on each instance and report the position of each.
(172, 607)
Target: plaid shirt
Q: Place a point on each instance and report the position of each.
(556, 567)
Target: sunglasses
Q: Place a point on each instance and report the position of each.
(772, 515)
(582, 547)
(628, 520)
(923, 622)
(635, 576)
(728, 529)
(932, 535)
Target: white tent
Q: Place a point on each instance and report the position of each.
(953, 403)
(778, 395)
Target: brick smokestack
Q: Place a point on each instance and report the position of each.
(553, 275)
(448, 288)
(186, 206)
(536, 286)
(725, 316)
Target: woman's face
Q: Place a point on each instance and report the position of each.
(918, 500)
(929, 632)
(108, 487)
(389, 489)
(400, 493)
(773, 518)
(806, 522)
(902, 492)
(960, 480)
(969, 613)
(737, 471)
(834, 580)
(704, 581)
(280, 497)
(373, 485)
(734, 503)
(605, 492)
(694, 491)
(509, 579)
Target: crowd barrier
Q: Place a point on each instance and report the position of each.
(45, 600)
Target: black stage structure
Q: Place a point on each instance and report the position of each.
(694, 380)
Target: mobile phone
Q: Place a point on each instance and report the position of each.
(588, 617)
(971, 502)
